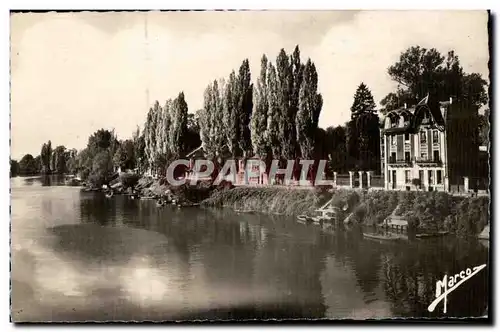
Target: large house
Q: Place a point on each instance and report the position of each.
(430, 147)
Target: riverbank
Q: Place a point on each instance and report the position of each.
(185, 194)
(424, 211)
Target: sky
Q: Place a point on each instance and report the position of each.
(74, 73)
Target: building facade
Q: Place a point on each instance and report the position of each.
(416, 146)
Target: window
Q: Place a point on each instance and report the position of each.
(393, 157)
(407, 137)
(423, 137)
(436, 155)
(439, 177)
(393, 140)
(407, 156)
(430, 177)
(407, 176)
(423, 156)
(435, 137)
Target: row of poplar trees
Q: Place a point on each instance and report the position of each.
(165, 132)
(276, 119)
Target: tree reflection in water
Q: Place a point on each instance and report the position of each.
(411, 274)
(252, 252)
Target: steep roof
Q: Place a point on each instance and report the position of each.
(416, 114)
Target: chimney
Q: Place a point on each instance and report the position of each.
(405, 105)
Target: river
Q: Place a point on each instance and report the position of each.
(79, 256)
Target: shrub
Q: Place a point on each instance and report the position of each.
(416, 182)
(129, 179)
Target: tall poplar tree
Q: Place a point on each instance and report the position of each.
(273, 115)
(245, 106)
(259, 135)
(286, 122)
(310, 104)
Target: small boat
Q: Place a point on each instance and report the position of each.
(244, 211)
(188, 205)
(305, 219)
(382, 237)
(146, 197)
(109, 194)
(428, 235)
(160, 203)
(485, 234)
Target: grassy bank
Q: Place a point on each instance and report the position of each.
(186, 193)
(268, 200)
(426, 211)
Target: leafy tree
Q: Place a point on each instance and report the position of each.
(58, 162)
(101, 139)
(150, 133)
(352, 143)
(273, 116)
(310, 104)
(45, 157)
(102, 168)
(484, 128)
(71, 161)
(124, 156)
(230, 115)
(139, 150)
(421, 71)
(260, 141)
(367, 127)
(211, 121)
(38, 163)
(193, 139)
(14, 168)
(297, 69)
(245, 106)
(95, 162)
(395, 100)
(29, 165)
(286, 123)
(336, 149)
(162, 131)
(84, 163)
(178, 127)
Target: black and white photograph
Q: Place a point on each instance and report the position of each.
(250, 165)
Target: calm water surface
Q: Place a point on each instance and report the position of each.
(80, 256)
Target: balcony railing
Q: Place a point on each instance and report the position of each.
(432, 161)
(399, 162)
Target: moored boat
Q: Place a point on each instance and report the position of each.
(305, 219)
(428, 235)
(384, 237)
(485, 234)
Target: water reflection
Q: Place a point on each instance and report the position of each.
(98, 258)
